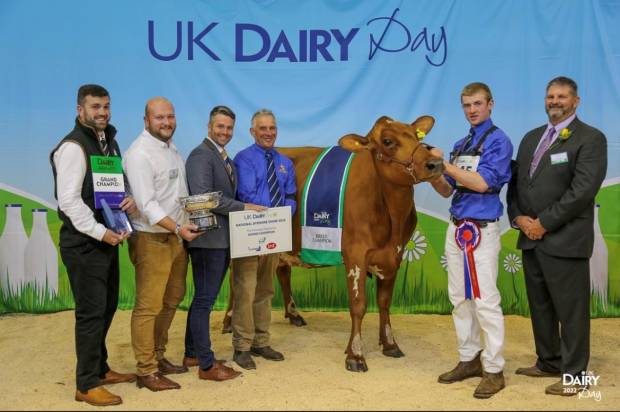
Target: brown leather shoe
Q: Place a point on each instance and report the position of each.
(112, 377)
(167, 368)
(463, 370)
(534, 372)
(219, 372)
(490, 384)
(190, 362)
(156, 382)
(98, 396)
(560, 389)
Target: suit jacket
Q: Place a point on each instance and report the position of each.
(561, 195)
(206, 172)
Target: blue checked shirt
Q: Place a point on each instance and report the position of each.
(252, 177)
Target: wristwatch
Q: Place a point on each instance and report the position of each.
(177, 230)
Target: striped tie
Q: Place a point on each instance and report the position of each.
(272, 181)
(228, 165)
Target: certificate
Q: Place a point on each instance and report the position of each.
(259, 233)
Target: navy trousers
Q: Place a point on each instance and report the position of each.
(209, 268)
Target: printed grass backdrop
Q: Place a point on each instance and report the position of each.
(421, 286)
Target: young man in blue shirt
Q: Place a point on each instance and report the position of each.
(478, 168)
(266, 178)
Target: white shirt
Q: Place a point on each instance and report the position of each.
(70, 163)
(156, 175)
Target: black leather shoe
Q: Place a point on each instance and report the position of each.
(267, 352)
(243, 359)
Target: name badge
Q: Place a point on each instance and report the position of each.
(467, 162)
(559, 158)
(173, 174)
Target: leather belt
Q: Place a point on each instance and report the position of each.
(480, 222)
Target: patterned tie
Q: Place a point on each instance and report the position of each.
(228, 164)
(104, 144)
(272, 181)
(542, 148)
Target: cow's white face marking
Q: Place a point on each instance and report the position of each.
(398, 248)
(356, 345)
(355, 274)
(388, 335)
(376, 270)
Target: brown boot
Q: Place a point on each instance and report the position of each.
(156, 382)
(462, 371)
(560, 389)
(490, 384)
(112, 377)
(98, 396)
(167, 368)
(218, 372)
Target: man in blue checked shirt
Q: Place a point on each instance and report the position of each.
(478, 168)
(266, 178)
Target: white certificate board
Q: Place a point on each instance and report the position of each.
(259, 233)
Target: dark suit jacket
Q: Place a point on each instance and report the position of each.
(206, 172)
(560, 195)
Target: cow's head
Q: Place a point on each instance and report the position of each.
(399, 154)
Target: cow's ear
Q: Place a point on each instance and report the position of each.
(423, 124)
(353, 143)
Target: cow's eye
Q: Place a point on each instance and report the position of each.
(387, 142)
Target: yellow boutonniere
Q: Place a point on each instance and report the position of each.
(420, 134)
(565, 133)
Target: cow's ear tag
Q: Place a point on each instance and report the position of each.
(353, 143)
(422, 126)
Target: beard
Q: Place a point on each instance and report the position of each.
(97, 124)
(163, 134)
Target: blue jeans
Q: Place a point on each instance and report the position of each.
(209, 268)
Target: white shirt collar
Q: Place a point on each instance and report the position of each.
(219, 148)
(152, 140)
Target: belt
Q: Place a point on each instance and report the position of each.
(480, 222)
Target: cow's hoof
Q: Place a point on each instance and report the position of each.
(393, 352)
(356, 365)
(297, 320)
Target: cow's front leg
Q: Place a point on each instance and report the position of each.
(290, 310)
(356, 286)
(385, 288)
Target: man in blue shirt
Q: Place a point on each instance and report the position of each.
(266, 178)
(478, 168)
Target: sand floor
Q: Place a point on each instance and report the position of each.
(38, 361)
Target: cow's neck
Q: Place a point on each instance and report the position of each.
(399, 203)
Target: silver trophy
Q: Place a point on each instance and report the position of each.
(199, 209)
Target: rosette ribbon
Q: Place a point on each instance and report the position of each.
(467, 237)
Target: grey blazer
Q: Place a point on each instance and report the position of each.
(560, 193)
(206, 172)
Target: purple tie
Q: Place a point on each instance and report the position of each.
(542, 148)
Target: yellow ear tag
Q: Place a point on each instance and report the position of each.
(420, 134)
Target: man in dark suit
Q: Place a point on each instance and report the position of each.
(209, 169)
(560, 168)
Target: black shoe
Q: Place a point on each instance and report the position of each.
(267, 352)
(243, 359)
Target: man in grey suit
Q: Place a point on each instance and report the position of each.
(209, 169)
(560, 168)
